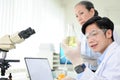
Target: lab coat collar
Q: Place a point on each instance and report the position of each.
(100, 59)
(108, 52)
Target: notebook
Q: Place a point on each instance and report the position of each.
(38, 68)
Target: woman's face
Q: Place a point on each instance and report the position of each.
(83, 14)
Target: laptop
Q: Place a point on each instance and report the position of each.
(38, 68)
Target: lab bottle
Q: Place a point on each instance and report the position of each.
(71, 35)
(62, 73)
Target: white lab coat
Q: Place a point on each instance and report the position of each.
(90, 57)
(109, 69)
(116, 37)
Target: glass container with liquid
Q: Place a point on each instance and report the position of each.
(71, 35)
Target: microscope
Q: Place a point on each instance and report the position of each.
(7, 43)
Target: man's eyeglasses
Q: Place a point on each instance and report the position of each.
(94, 33)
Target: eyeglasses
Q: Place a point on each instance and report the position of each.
(94, 33)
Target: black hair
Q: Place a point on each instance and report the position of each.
(88, 6)
(102, 23)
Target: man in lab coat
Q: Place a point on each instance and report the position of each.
(99, 35)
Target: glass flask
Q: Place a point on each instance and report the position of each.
(71, 35)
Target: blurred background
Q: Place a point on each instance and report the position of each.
(49, 18)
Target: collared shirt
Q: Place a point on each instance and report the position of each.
(100, 59)
(109, 68)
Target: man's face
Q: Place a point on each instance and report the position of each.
(98, 39)
(82, 14)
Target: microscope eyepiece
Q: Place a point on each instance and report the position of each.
(26, 33)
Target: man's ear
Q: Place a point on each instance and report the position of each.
(109, 33)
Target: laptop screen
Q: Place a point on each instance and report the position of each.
(38, 68)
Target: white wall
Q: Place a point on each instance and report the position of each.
(45, 16)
